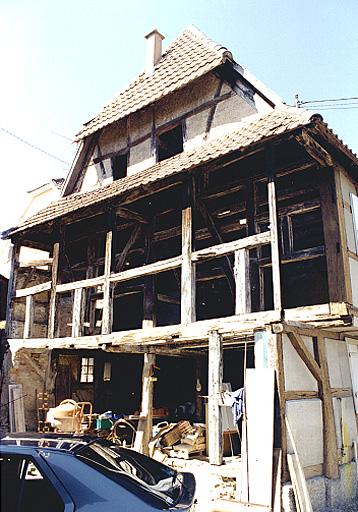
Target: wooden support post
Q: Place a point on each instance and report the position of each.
(215, 377)
(145, 424)
(149, 300)
(15, 253)
(332, 239)
(107, 287)
(54, 278)
(242, 281)
(329, 427)
(275, 251)
(187, 269)
(29, 316)
(77, 312)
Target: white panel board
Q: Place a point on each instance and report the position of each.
(260, 385)
(297, 375)
(305, 419)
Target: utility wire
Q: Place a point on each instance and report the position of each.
(33, 146)
(324, 101)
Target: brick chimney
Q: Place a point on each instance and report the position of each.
(154, 50)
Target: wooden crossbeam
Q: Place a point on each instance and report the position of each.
(305, 355)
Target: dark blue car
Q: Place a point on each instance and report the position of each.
(62, 473)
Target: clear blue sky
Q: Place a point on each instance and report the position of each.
(63, 60)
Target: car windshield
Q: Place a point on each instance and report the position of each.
(118, 463)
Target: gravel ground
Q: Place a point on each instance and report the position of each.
(348, 508)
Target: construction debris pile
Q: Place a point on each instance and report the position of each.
(179, 440)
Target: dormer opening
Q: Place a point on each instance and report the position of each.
(170, 142)
(119, 165)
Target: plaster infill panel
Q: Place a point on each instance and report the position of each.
(297, 375)
(338, 364)
(305, 419)
(113, 138)
(140, 157)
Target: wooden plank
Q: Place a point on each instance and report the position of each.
(107, 298)
(275, 250)
(330, 446)
(215, 379)
(305, 355)
(147, 270)
(84, 283)
(188, 313)
(242, 281)
(36, 263)
(124, 213)
(15, 253)
(32, 290)
(280, 380)
(145, 424)
(277, 487)
(29, 316)
(54, 279)
(297, 475)
(301, 395)
(215, 251)
(16, 408)
(299, 484)
(260, 386)
(77, 312)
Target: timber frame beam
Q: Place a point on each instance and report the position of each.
(317, 365)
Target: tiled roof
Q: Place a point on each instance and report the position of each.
(253, 130)
(190, 56)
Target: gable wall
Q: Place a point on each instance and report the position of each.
(193, 105)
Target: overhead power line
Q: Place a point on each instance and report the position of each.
(324, 101)
(33, 146)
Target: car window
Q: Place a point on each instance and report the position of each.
(24, 488)
(117, 462)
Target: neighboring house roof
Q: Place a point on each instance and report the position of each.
(190, 56)
(253, 130)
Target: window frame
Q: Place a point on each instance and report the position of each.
(88, 373)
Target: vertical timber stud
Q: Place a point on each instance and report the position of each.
(107, 288)
(275, 251)
(215, 377)
(15, 253)
(77, 312)
(145, 424)
(54, 278)
(187, 267)
(29, 316)
(329, 427)
(242, 281)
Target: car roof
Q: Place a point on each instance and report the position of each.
(63, 442)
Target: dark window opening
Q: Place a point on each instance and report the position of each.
(119, 166)
(170, 143)
(307, 230)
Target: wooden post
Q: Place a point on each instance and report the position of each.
(332, 240)
(107, 288)
(242, 281)
(54, 278)
(215, 377)
(77, 312)
(149, 312)
(15, 253)
(329, 427)
(187, 269)
(29, 316)
(275, 251)
(145, 424)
